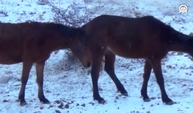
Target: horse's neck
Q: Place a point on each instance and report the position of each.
(59, 43)
(181, 42)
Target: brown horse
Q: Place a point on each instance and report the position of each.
(145, 37)
(32, 42)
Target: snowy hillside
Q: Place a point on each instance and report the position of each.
(68, 86)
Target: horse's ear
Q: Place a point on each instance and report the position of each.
(191, 34)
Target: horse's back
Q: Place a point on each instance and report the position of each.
(17, 33)
(125, 24)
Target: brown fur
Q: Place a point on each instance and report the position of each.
(33, 42)
(145, 37)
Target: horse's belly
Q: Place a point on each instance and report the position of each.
(9, 59)
(128, 52)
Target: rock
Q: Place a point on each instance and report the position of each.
(57, 111)
(61, 105)
(83, 105)
(66, 106)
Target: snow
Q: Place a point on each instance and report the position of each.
(68, 86)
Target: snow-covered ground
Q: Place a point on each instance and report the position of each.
(67, 85)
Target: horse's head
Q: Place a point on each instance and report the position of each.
(80, 47)
(189, 44)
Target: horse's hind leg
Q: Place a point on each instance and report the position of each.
(156, 64)
(109, 68)
(146, 75)
(24, 78)
(39, 73)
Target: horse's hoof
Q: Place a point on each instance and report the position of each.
(146, 99)
(23, 103)
(125, 94)
(102, 101)
(45, 101)
(170, 103)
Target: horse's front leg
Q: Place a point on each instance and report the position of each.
(40, 77)
(96, 63)
(24, 78)
(156, 64)
(146, 75)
